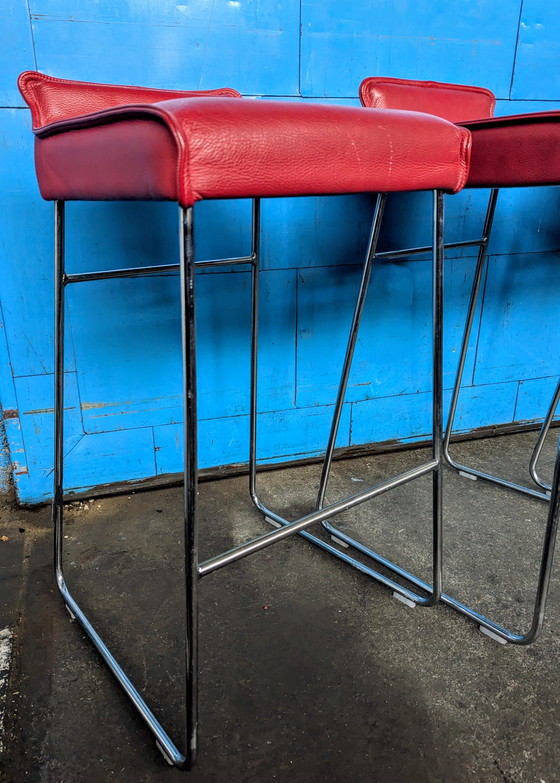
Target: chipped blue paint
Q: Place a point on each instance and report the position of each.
(123, 408)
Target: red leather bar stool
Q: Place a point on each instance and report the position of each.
(109, 143)
(462, 103)
(507, 152)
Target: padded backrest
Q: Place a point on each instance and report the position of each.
(52, 100)
(453, 102)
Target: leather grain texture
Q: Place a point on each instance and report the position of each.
(189, 149)
(454, 102)
(51, 99)
(518, 150)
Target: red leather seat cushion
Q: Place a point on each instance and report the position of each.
(513, 151)
(199, 148)
(455, 102)
(506, 151)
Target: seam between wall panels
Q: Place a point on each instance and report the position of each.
(155, 453)
(32, 35)
(515, 405)
(12, 403)
(7, 366)
(296, 339)
(516, 48)
(300, 40)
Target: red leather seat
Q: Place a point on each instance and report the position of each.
(90, 144)
(513, 151)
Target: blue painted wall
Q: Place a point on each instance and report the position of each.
(123, 376)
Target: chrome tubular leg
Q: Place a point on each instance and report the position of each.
(410, 596)
(475, 290)
(190, 479)
(59, 275)
(350, 348)
(437, 435)
(255, 255)
(464, 469)
(437, 394)
(541, 439)
(547, 555)
(163, 741)
(493, 629)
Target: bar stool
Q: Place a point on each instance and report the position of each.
(97, 142)
(462, 103)
(507, 152)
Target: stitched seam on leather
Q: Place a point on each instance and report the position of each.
(24, 80)
(182, 184)
(512, 120)
(107, 116)
(430, 85)
(184, 190)
(380, 80)
(116, 114)
(464, 159)
(27, 78)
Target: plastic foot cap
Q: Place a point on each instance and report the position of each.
(70, 612)
(403, 599)
(496, 637)
(468, 475)
(272, 522)
(340, 542)
(164, 754)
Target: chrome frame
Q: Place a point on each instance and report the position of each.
(433, 466)
(546, 425)
(194, 569)
(465, 470)
(486, 625)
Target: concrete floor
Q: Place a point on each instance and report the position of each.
(309, 670)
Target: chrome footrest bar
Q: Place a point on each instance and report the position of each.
(290, 528)
(434, 466)
(411, 251)
(359, 566)
(158, 269)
